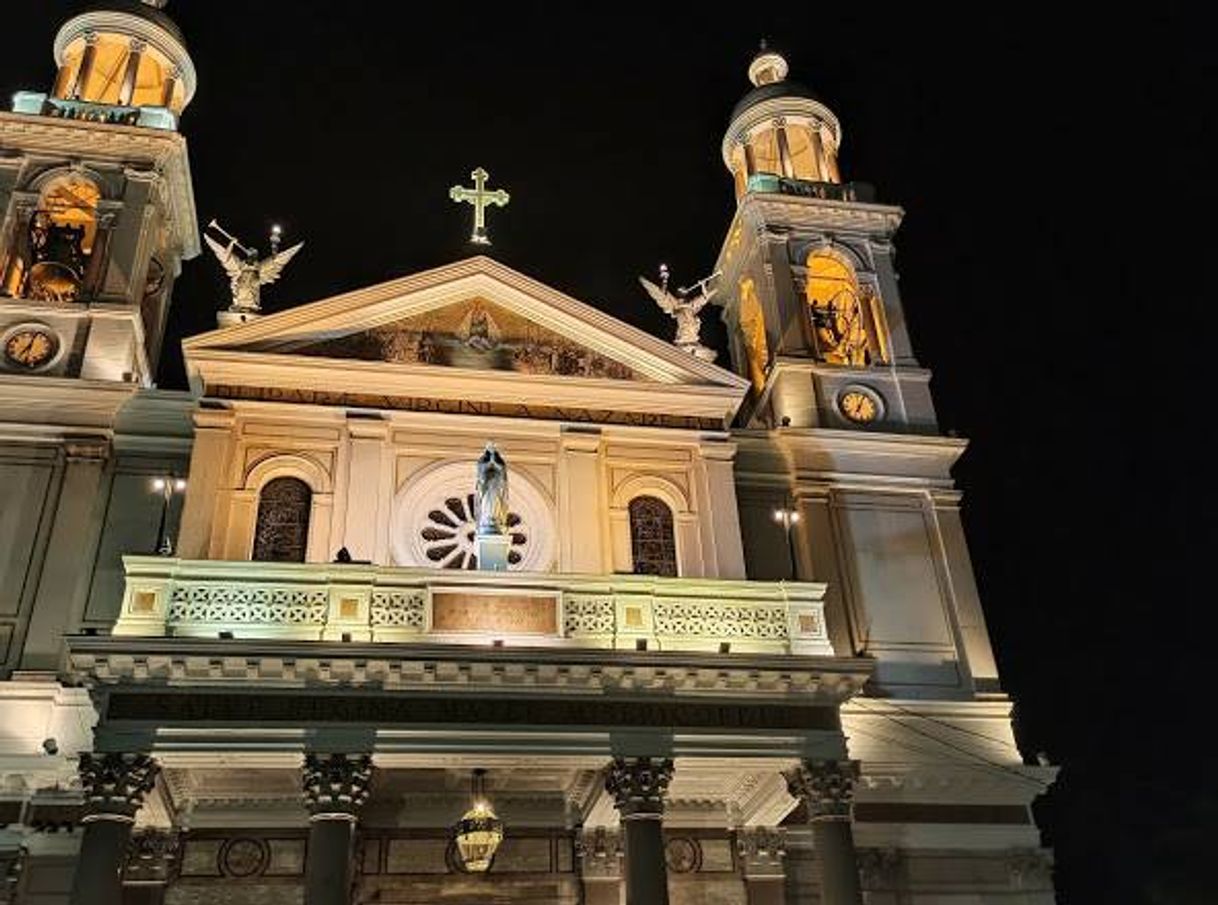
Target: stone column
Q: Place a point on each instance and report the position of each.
(335, 786)
(784, 148)
(114, 787)
(818, 153)
(826, 788)
(638, 786)
(81, 81)
(131, 75)
(94, 273)
(170, 86)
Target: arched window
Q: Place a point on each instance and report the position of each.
(282, 531)
(653, 545)
(845, 319)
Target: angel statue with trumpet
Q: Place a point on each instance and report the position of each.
(684, 307)
(247, 272)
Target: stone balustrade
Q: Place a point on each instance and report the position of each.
(336, 602)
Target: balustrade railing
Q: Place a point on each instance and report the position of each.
(203, 598)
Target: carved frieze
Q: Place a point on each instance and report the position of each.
(473, 334)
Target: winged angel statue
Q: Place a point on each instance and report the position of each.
(684, 309)
(247, 273)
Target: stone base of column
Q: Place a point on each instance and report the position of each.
(492, 551)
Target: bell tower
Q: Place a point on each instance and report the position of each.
(96, 199)
(809, 288)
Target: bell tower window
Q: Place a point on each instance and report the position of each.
(282, 530)
(61, 241)
(653, 545)
(845, 319)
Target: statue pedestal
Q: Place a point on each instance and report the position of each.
(232, 317)
(492, 551)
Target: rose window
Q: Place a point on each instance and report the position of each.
(449, 530)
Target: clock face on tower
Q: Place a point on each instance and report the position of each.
(30, 348)
(858, 406)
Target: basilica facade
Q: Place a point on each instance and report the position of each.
(260, 643)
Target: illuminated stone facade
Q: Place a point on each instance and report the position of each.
(677, 697)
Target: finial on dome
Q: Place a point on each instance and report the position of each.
(767, 67)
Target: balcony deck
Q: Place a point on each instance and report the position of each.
(167, 597)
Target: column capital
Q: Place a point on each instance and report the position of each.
(153, 856)
(115, 785)
(336, 785)
(826, 787)
(638, 786)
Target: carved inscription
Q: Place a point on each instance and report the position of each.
(511, 614)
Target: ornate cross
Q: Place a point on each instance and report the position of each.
(480, 198)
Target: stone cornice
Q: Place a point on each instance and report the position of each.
(823, 454)
(53, 407)
(212, 368)
(760, 213)
(194, 662)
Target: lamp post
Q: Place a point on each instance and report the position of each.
(166, 486)
(787, 517)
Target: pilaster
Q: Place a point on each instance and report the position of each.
(581, 524)
(59, 602)
(367, 493)
(210, 460)
(719, 514)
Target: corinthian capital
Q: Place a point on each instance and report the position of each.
(826, 787)
(336, 784)
(115, 784)
(638, 785)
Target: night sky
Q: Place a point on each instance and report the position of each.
(1047, 161)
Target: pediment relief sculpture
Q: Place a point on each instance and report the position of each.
(478, 335)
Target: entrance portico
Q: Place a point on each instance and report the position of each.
(672, 758)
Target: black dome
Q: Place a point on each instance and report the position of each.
(773, 90)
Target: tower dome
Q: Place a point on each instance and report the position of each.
(780, 130)
(125, 55)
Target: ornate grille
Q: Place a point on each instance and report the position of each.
(282, 532)
(708, 619)
(653, 546)
(207, 602)
(448, 535)
(399, 609)
(587, 615)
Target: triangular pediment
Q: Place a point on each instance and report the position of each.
(473, 330)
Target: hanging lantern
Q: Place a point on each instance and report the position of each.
(478, 832)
